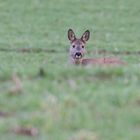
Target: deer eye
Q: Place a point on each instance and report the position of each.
(82, 46)
(73, 46)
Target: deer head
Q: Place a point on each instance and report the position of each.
(77, 48)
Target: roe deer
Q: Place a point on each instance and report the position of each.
(77, 51)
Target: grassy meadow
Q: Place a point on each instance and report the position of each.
(43, 97)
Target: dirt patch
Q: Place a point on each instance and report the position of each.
(137, 101)
(4, 114)
(103, 51)
(26, 131)
(28, 50)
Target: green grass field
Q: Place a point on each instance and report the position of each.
(66, 102)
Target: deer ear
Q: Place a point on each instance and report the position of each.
(71, 35)
(85, 36)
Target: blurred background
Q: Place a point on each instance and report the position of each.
(42, 96)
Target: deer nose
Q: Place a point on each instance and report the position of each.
(78, 54)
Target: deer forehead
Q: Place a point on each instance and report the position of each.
(78, 42)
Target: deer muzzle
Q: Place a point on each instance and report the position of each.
(78, 55)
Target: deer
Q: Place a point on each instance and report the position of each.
(78, 49)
